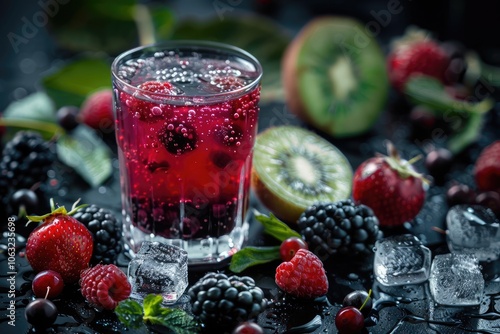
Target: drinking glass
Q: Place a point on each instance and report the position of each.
(186, 121)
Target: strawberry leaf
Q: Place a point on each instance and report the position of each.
(275, 227)
(251, 256)
(431, 93)
(467, 135)
(87, 154)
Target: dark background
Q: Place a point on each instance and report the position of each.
(474, 23)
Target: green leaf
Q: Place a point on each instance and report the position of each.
(256, 34)
(130, 313)
(467, 135)
(431, 93)
(152, 305)
(94, 25)
(275, 227)
(251, 256)
(87, 154)
(34, 112)
(71, 84)
(37, 106)
(176, 320)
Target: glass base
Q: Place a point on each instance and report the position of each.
(210, 251)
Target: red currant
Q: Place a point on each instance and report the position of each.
(248, 328)
(290, 246)
(349, 320)
(47, 280)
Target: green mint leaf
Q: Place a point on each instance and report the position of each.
(431, 93)
(87, 154)
(130, 313)
(275, 227)
(251, 256)
(73, 82)
(152, 305)
(176, 320)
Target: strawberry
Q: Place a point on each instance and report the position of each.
(61, 243)
(303, 276)
(391, 187)
(416, 54)
(97, 110)
(487, 168)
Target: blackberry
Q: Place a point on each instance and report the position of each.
(339, 228)
(106, 231)
(179, 137)
(25, 161)
(222, 301)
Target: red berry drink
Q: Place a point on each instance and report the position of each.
(186, 121)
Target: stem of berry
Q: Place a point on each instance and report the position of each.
(366, 299)
(47, 293)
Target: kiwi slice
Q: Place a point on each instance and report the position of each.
(294, 168)
(334, 76)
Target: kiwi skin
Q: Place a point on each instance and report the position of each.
(290, 73)
(274, 203)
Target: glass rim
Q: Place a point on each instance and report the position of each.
(194, 45)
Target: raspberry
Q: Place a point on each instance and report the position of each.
(97, 110)
(304, 276)
(227, 83)
(145, 110)
(104, 286)
(106, 231)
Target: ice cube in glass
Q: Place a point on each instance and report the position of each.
(159, 268)
(473, 230)
(456, 280)
(401, 259)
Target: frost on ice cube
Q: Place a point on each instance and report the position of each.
(159, 269)
(473, 230)
(400, 260)
(456, 280)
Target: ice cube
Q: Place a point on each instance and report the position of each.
(159, 268)
(400, 260)
(473, 230)
(456, 280)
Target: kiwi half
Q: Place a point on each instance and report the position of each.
(294, 168)
(335, 77)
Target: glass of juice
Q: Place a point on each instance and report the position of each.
(186, 120)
